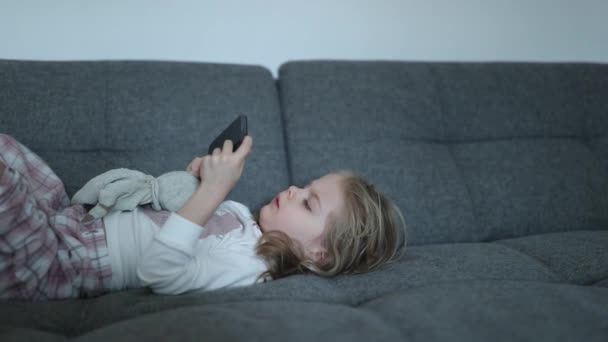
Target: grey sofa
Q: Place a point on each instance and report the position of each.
(501, 170)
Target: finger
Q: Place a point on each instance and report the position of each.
(196, 163)
(216, 151)
(227, 149)
(197, 166)
(245, 147)
(193, 171)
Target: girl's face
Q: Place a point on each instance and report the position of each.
(301, 213)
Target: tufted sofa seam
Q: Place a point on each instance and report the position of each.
(448, 145)
(106, 105)
(535, 259)
(586, 141)
(283, 119)
(451, 282)
(601, 281)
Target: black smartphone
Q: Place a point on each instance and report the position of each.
(235, 132)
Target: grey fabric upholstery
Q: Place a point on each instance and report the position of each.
(501, 171)
(87, 117)
(472, 152)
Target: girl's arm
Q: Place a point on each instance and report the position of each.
(171, 264)
(202, 204)
(174, 263)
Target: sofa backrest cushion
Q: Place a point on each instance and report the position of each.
(87, 117)
(469, 151)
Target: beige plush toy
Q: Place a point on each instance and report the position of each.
(125, 189)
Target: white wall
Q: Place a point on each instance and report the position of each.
(269, 32)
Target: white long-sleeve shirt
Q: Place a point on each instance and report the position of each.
(173, 255)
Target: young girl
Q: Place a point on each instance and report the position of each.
(337, 224)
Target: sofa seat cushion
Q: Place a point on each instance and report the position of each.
(496, 310)
(467, 310)
(421, 266)
(579, 257)
(16, 334)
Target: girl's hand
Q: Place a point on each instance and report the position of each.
(222, 169)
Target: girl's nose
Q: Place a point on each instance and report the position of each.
(291, 191)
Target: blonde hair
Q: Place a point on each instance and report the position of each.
(367, 232)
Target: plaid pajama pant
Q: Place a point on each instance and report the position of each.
(45, 252)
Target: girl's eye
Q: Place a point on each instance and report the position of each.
(306, 204)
